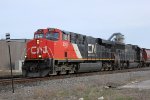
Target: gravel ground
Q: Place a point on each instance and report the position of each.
(88, 87)
(139, 85)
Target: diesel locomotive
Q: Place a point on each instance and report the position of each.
(53, 51)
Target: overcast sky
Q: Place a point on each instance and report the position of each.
(97, 18)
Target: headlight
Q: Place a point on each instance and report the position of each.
(25, 56)
(40, 56)
(37, 41)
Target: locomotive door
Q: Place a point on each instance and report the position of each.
(65, 44)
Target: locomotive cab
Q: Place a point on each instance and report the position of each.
(42, 46)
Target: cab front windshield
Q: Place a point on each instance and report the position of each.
(52, 36)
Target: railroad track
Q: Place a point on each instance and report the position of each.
(22, 80)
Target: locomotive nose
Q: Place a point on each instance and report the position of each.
(37, 49)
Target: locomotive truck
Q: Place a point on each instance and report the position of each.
(53, 51)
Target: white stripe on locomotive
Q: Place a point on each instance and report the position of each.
(76, 49)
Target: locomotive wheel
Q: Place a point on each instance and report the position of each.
(121, 66)
(72, 71)
(67, 72)
(139, 65)
(58, 72)
(125, 66)
(103, 67)
(63, 71)
(24, 73)
(106, 67)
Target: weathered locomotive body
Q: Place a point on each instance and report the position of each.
(146, 56)
(54, 51)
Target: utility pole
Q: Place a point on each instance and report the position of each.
(8, 41)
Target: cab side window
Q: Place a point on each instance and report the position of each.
(65, 36)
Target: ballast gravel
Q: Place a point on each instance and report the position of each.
(46, 90)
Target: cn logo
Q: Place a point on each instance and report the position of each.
(35, 50)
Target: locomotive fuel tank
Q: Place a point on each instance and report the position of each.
(90, 67)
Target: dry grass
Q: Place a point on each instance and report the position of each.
(91, 93)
